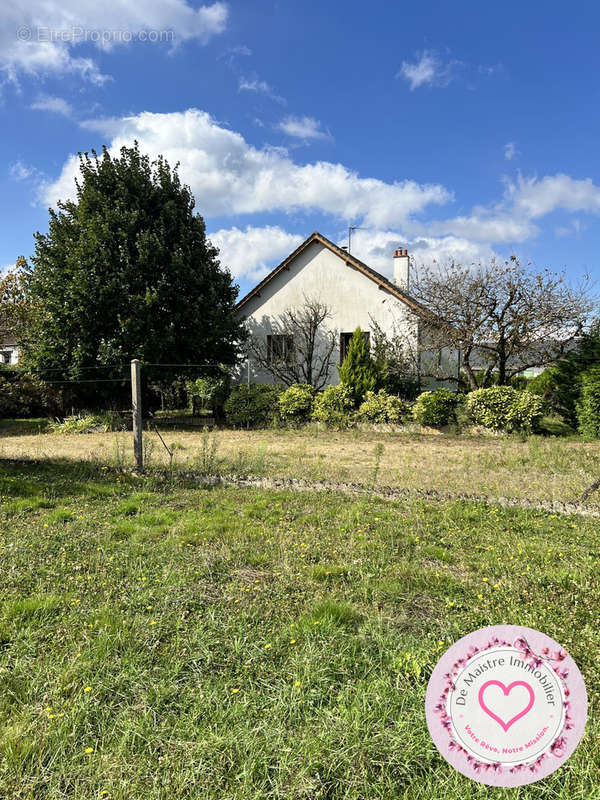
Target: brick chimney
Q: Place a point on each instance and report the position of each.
(401, 270)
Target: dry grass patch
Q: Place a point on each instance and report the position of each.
(538, 468)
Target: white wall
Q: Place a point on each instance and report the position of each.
(13, 350)
(353, 298)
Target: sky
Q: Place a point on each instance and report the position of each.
(462, 130)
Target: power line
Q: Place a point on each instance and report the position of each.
(95, 380)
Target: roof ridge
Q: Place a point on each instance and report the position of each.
(368, 271)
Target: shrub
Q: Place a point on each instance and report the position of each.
(25, 395)
(561, 384)
(209, 391)
(334, 406)
(90, 423)
(296, 403)
(588, 407)
(382, 407)
(505, 408)
(435, 408)
(358, 373)
(254, 405)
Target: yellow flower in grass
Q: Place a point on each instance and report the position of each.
(234, 691)
(89, 750)
(88, 689)
(268, 646)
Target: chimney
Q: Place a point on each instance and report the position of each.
(401, 270)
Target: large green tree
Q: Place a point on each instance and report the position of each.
(126, 271)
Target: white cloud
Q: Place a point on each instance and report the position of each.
(574, 229)
(252, 253)
(38, 37)
(493, 225)
(260, 87)
(376, 247)
(238, 50)
(23, 172)
(57, 105)
(228, 176)
(428, 70)
(536, 197)
(510, 151)
(303, 128)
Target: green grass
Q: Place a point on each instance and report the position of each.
(163, 641)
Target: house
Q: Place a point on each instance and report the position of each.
(354, 294)
(9, 351)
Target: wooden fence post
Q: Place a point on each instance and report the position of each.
(136, 404)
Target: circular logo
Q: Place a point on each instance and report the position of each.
(506, 705)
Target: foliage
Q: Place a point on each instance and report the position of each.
(307, 355)
(212, 391)
(505, 408)
(435, 408)
(15, 308)
(334, 406)
(382, 407)
(26, 395)
(90, 423)
(560, 385)
(126, 271)
(296, 403)
(359, 372)
(588, 406)
(253, 405)
(396, 363)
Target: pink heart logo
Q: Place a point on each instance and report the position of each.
(507, 690)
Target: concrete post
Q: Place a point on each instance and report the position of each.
(136, 404)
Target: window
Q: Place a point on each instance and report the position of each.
(280, 348)
(5, 356)
(345, 343)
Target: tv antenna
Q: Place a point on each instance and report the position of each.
(350, 229)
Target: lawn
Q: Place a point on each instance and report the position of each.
(159, 640)
(538, 468)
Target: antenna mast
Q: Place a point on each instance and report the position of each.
(350, 229)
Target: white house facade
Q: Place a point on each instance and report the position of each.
(354, 293)
(9, 352)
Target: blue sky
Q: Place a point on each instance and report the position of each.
(458, 130)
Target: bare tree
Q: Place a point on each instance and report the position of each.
(504, 317)
(298, 347)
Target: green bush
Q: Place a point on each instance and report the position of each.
(505, 408)
(334, 406)
(359, 373)
(588, 407)
(90, 423)
(382, 407)
(253, 405)
(435, 408)
(209, 392)
(25, 395)
(296, 403)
